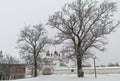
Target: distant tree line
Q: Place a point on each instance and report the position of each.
(114, 64)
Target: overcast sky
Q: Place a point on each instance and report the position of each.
(15, 14)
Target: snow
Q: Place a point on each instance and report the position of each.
(73, 77)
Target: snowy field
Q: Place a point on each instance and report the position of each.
(73, 77)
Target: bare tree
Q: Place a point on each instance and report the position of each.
(85, 23)
(7, 59)
(31, 43)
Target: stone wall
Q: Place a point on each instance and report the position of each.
(100, 70)
(90, 70)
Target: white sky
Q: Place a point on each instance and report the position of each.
(15, 14)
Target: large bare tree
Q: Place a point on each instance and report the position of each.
(31, 42)
(85, 23)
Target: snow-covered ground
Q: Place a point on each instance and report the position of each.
(73, 77)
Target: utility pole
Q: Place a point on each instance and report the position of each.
(94, 58)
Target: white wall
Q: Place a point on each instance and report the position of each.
(106, 70)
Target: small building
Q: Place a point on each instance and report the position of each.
(12, 71)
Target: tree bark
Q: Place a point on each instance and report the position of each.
(79, 67)
(35, 71)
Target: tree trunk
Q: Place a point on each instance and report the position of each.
(35, 71)
(79, 67)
